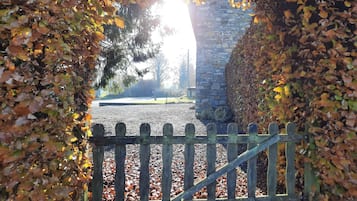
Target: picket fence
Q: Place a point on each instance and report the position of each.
(255, 144)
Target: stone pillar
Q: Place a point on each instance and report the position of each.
(217, 27)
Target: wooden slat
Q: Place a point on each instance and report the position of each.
(308, 172)
(167, 155)
(229, 167)
(279, 197)
(211, 159)
(98, 156)
(311, 184)
(189, 158)
(232, 152)
(308, 181)
(252, 163)
(221, 139)
(272, 161)
(120, 154)
(144, 181)
(290, 163)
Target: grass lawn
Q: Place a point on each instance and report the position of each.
(169, 100)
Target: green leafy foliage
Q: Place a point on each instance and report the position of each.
(122, 47)
(305, 64)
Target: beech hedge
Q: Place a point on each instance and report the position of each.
(304, 71)
(48, 53)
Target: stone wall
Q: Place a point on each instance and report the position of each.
(217, 28)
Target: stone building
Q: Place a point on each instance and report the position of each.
(217, 27)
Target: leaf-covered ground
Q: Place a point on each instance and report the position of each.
(132, 173)
(157, 115)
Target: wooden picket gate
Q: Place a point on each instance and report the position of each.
(255, 144)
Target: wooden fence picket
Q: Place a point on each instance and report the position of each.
(167, 155)
(144, 181)
(290, 162)
(232, 152)
(211, 159)
(272, 161)
(252, 163)
(311, 184)
(120, 154)
(189, 155)
(98, 157)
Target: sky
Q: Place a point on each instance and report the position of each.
(174, 14)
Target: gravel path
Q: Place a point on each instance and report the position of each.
(157, 116)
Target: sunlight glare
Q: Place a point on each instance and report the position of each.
(174, 14)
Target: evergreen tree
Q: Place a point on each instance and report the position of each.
(123, 47)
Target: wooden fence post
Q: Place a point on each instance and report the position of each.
(232, 152)
(290, 162)
(167, 155)
(311, 184)
(272, 161)
(252, 163)
(144, 181)
(120, 154)
(98, 157)
(189, 157)
(211, 159)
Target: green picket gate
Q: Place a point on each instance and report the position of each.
(255, 144)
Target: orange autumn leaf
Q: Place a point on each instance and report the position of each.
(37, 52)
(88, 117)
(100, 35)
(323, 14)
(119, 22)
(256, 20)
(10, 65)
(288, 14)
